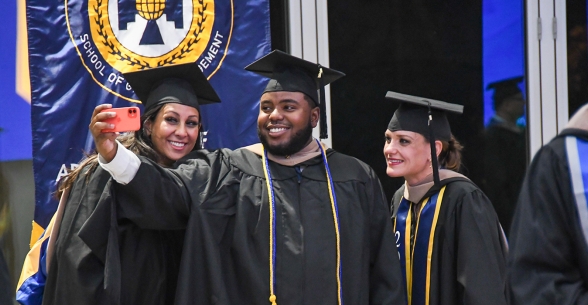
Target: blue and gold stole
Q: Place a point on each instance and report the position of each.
(577, 154)
(416, 262)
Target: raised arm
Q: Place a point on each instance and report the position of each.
(149, 195)
(156, 198)
(105, 141)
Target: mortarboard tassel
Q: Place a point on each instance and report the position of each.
(434, 162)
(323, 134)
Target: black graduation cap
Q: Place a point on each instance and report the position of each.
(424, 116)
(504, 88)
(293, 74)
(183, 83)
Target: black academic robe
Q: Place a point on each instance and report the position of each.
(143, 270)
(548, 258)
(221, 199)
(468, 264)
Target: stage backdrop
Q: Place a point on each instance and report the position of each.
(78, 50)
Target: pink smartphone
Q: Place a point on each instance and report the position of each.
(126, 119)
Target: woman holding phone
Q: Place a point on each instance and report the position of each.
(451, 246)
(95, 257)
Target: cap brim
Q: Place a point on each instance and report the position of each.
(267, 64)
(425, 102)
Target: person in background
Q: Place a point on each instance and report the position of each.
(548, 258)
(92, 255)
(284, 221)
(505, 152)
(451, 247)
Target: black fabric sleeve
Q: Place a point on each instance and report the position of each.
(481, 251)
(161, 199)
(548, 253)
(386, 285)
(155, 199)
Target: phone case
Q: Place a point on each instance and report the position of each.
(126, 119)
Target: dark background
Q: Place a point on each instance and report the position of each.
(577, 54)
(426, 48)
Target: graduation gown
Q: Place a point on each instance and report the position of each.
(221, 199)
(144, 268)
(548, 259)
(467, 250)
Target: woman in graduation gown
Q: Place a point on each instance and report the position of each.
(450, 243)
(100, 258)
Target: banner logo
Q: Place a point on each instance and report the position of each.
(118, 36)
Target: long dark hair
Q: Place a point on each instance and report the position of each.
(138, 142)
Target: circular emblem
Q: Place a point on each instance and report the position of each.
(118, 36)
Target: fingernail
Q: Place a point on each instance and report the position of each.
(110, 126)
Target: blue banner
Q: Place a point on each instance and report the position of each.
(78, 50)
(15, 117)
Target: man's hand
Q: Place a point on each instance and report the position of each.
(104, 141)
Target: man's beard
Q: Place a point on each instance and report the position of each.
(296, 143)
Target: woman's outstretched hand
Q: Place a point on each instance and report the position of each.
(105, 141)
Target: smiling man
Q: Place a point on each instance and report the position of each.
(285, 221)
(284, 124)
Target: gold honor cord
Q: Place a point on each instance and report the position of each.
(335, 220)
(410, 250)
(272, 236)
(272, 223)
(411, 247)
(431, 241)
(407, 256)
